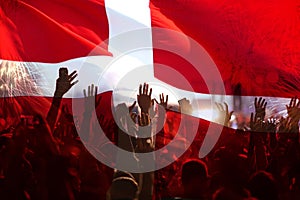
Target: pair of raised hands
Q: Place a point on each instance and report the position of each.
(257, 122)
(144, 98)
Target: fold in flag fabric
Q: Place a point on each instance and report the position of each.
(254, 44)
(52, 31)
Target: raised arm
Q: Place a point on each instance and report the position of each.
(144, 98)
(90, 103)
(260, 108)
(293, 110)
(63, 84)
(224, 114)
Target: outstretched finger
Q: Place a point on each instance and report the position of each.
(291, 102)
(167, 98)
(84, 93)
(218, 106)
(147, 89)
(152, 102)
(140, 89)
(99, 98)
(265, 105)
(155, 100)
(96, 91)
(72, 74)
(221, 108)
(262, 103)
(259, 101)
(255, 102)
(73, 83)
(92, 90)
(230, 114)
(89, 91)
(144, 88)
(226, 107)
(73, 77)
(150, 93)
(132, 106)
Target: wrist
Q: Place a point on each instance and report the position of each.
(58, 94)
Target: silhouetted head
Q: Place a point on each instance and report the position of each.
(262, 185)
(194, 177)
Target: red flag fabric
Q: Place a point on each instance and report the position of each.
(254, 44)
(52, 31)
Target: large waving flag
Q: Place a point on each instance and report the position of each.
(252, 47)
(209, 47)
(255, 45)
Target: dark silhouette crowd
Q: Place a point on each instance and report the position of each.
(45, 157)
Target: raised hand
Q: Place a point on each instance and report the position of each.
(185, 106)
(163, 101)
(64, 84)
(224, 114)
(293, 110)
(90, 99)
(270, 125)
(144, 98)
(256, 124)
(260, 108)
(284, 125)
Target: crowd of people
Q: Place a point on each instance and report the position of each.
(48, 158)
